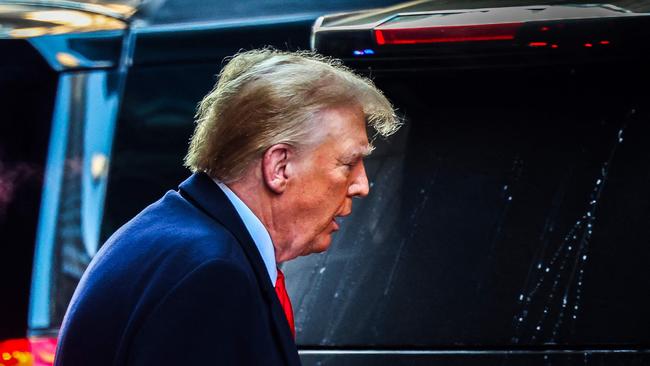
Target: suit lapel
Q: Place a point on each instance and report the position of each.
(203, 193)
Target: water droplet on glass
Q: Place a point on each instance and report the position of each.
(570, 247)
(538, 327)
(521, 297)
(521, 319)
(509, 198)
(547, 269)
(598, 181)
(322, 270)
(584, 257)
(505, 188)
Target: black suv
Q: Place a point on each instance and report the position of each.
(507, 221)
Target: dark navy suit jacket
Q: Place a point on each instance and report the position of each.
(182, 283)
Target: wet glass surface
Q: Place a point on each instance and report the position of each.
(511, 209)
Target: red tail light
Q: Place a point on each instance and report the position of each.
(33, 351)
(461, 33)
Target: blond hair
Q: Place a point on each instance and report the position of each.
(266, 97)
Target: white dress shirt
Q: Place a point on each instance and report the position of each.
(257, 230)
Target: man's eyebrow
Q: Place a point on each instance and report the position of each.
(360, 154)
(367, 150)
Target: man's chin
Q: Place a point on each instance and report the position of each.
(318, 246)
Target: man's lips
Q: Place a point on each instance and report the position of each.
(338, 216)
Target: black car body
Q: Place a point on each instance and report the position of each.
(507, 221)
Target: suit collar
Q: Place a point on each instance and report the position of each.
(256, 229)
(201, 191)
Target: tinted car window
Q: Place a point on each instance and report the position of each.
(511, 209)
(152, 136)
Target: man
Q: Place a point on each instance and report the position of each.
(277, 157)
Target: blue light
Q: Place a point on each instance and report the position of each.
(367, 51)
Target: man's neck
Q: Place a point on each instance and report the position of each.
(259, 200)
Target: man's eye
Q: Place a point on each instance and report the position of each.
(349, 164)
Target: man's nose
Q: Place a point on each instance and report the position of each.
(359, 186)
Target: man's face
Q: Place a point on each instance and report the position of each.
(324, 180)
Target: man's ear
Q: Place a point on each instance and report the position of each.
(274, 167)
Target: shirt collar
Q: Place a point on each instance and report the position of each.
(256, 229)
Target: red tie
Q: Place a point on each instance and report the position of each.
(283, 296)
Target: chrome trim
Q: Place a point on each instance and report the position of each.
(312, 38)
